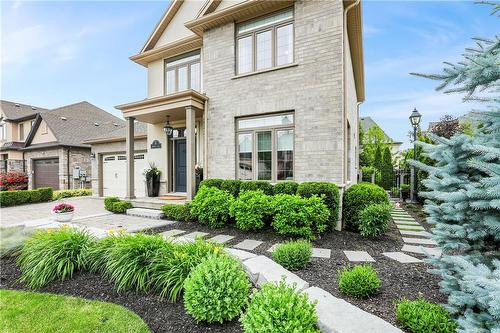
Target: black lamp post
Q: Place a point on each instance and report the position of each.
(167, 128)
(415, 121)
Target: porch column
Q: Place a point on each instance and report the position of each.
(129, 142)
(190, 152)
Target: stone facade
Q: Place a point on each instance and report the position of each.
(312, 87)
(78, 157)
(11, 165)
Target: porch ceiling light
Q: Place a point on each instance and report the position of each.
(167, 128)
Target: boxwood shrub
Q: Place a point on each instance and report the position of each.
(293, 255)
(212, 182)
(232, 186)
(20, 197)
(287, 187)
(329, 192)
(108, 202)
(254, 185)
(374, 220)
(115, 205)
(216, 290)
(358, 197)
(359, 281)
(299, 217)
(279, 308)
(211, 206)
(178, 212)
(251, 210)
(71, 193)
(421, 316)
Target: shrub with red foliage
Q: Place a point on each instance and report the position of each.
(12, 181)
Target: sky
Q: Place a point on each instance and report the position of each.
(62, 52)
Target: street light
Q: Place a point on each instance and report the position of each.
(415, 121)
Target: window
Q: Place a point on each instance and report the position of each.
(265, 148)
(265, 42)
(3, 130)
(21, 132)
(183, 73)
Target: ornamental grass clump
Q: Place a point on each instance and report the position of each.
(251, 210)
(421, 316)
(170, 269)
(216, 290)
(53, 255)
(128, 261)
(279, 308)
(359, 281)
(293, 255)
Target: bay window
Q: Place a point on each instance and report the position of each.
(265, 148)
(182, 73)
(265, 42)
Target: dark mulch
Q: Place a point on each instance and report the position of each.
(398, 280)
(160, 315)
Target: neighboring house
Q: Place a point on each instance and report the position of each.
(51, 151)
(367, 122)
(254, 90)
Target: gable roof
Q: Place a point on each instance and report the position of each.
(16, 111)
(140, 130)
(73, 124)
(367, 122)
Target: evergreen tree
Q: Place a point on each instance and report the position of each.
(387, 171)
(377, 164)
(463, 200)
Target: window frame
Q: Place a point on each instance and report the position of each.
(274, 146)
(21, 131)
(273, 27)
(176, 68)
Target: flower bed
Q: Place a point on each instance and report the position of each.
(12, 181)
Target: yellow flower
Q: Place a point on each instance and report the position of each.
(217, 249)
(111, 232)
(65, 226)
(121, 231)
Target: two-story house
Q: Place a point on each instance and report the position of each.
(48, 144)
(247, 89)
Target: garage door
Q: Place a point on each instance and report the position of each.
(46, 173)
(114, 171)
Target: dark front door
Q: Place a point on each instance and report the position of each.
(180, 165)
(46, 173)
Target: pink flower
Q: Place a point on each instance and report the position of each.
(63, 208)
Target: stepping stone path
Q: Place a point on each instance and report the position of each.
(421, 241)
(321, 253)
(221, 239)
(358, 256)
(248, 244)
(195, 235)
(172, 233)
(401, 257)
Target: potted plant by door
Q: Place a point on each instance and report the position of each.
(405, 192)
(152, 175)
(63, 212)
(198, 171)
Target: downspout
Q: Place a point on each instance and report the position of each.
(24, 164)
(344, 79)
(205, 142)
(67, 166)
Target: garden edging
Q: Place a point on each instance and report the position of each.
(334, 314)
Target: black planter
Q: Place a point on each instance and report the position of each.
(153, 185)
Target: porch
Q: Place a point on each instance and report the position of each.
(176, 126)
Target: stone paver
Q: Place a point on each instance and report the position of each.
(421, 241)
(262, 269)
(240, 254)
(421, 250)
(359, 256)
(221, 239)
(401, 257)
(321, 253)
(172, 233)
(195, 234)
(410, 227)
(406, 223)
(116, 221)
(248, 244)
(338, 316)
(146, 213)
(415, 233)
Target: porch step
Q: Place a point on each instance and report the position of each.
(154, 214)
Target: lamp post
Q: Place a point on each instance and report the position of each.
(415, 121)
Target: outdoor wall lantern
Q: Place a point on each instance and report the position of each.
(167, 128)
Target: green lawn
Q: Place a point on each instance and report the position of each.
(35, 312)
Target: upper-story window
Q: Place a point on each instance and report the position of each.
(182, 73)
(3, 130)
(21, 132)
(265, 42)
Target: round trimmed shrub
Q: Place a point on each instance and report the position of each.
(251, 209)
(254, 185)
(293, 255)
(53, 255)
(356, 198)
(211, 206)
(359, 281)
(328, 192)
(216, 290)
(421, 316)
(299, 217)
(374, 220)
(279, 308)
(287, 187)
(212, 182)
(177, 212)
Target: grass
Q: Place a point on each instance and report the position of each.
(29, 312)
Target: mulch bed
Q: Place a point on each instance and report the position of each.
(398, 280)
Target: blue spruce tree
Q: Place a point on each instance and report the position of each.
(463, 197)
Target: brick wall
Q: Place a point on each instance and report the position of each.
(313, 89)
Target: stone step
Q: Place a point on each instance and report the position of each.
(154, 214)
(421, 250)
(419, 241)
(415, 233)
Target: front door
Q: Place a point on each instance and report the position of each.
(180, 165)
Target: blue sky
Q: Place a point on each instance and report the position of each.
(57, 53)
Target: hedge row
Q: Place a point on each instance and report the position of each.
(71, 193)
(114, 205)
(13, 198)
